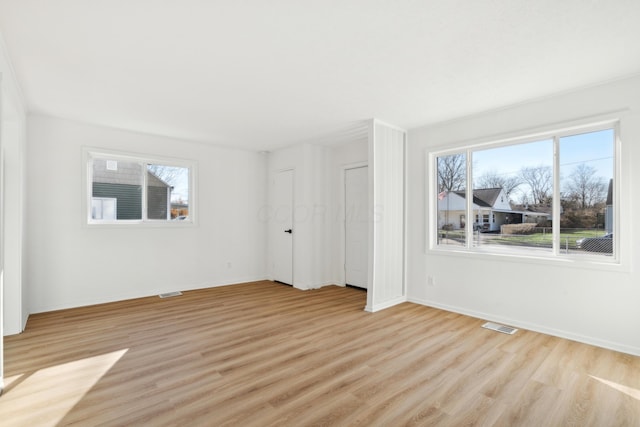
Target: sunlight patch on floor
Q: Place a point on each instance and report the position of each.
(630, 391)
(10, 380)
(44, 397)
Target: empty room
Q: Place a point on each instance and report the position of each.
(296, 213)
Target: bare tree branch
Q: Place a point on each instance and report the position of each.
(540, 182)
(452, 172)
(493, 179)
(584, 187)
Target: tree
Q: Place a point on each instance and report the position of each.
(540, 182)
(585, 187)
(168, 174)
(452, 174)
(493, 179)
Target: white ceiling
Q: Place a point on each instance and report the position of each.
(261, 74)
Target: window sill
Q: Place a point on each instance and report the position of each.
(140, 224)
(595, 262)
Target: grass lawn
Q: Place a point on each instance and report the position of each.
(540, 239)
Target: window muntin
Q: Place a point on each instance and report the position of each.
(126, 189)
(523, 196)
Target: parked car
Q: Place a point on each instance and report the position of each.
(602, 244)
(481, 227)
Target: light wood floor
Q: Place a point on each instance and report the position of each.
(264, 354)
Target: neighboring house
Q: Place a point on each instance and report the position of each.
(608, 213)
(491, 209)
(533, 213)
(117, 192)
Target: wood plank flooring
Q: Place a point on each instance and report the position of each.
(265, 354)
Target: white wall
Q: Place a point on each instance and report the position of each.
(318, 237)
(13, 310)
(311, 224)
(12, 144)
(343, 156)
(70, 264)
(593, 304)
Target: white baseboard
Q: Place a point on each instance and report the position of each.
(309, 286)
(532, 327)
(386, 304)
(134, 294)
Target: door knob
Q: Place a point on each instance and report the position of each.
(288, 231)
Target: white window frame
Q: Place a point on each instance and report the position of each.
(522, 253)
(91, 153)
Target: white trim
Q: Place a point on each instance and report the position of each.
(83, 302)
(371, 134)
(405, 213)
(1, 250)
(618, 201)
(590, 123)
(531, 326)
(390, 126)
(555, 204)
(385, 304)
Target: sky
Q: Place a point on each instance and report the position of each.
(178, 178)
(594, 149)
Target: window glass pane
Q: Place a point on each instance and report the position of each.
(120, 182)
(167, 192)
(103, 208)
(512, 195)
(452, 180)
(586, 185)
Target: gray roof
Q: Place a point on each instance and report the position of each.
(485, 197)
(542, 209)
(610, 193)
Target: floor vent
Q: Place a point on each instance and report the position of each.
(170, 294)
(500, 328)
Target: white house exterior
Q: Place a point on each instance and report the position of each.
(491, 209)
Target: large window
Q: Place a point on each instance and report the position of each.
(552, 195)
(128, 189)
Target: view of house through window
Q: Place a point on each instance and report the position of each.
(168, 192)
(513, 189)
(128, 190)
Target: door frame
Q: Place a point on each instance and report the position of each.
(343, 228)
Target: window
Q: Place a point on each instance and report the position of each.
(127, 189)
(103, 208)
(551, 196)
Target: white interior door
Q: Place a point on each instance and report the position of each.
(283, 227)
(356, 226)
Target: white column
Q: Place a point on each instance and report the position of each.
(386, 285)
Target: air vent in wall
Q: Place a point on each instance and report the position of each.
(170, 294)
(500, 328)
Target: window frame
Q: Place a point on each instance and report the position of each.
(91, 153)
(467, 148)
